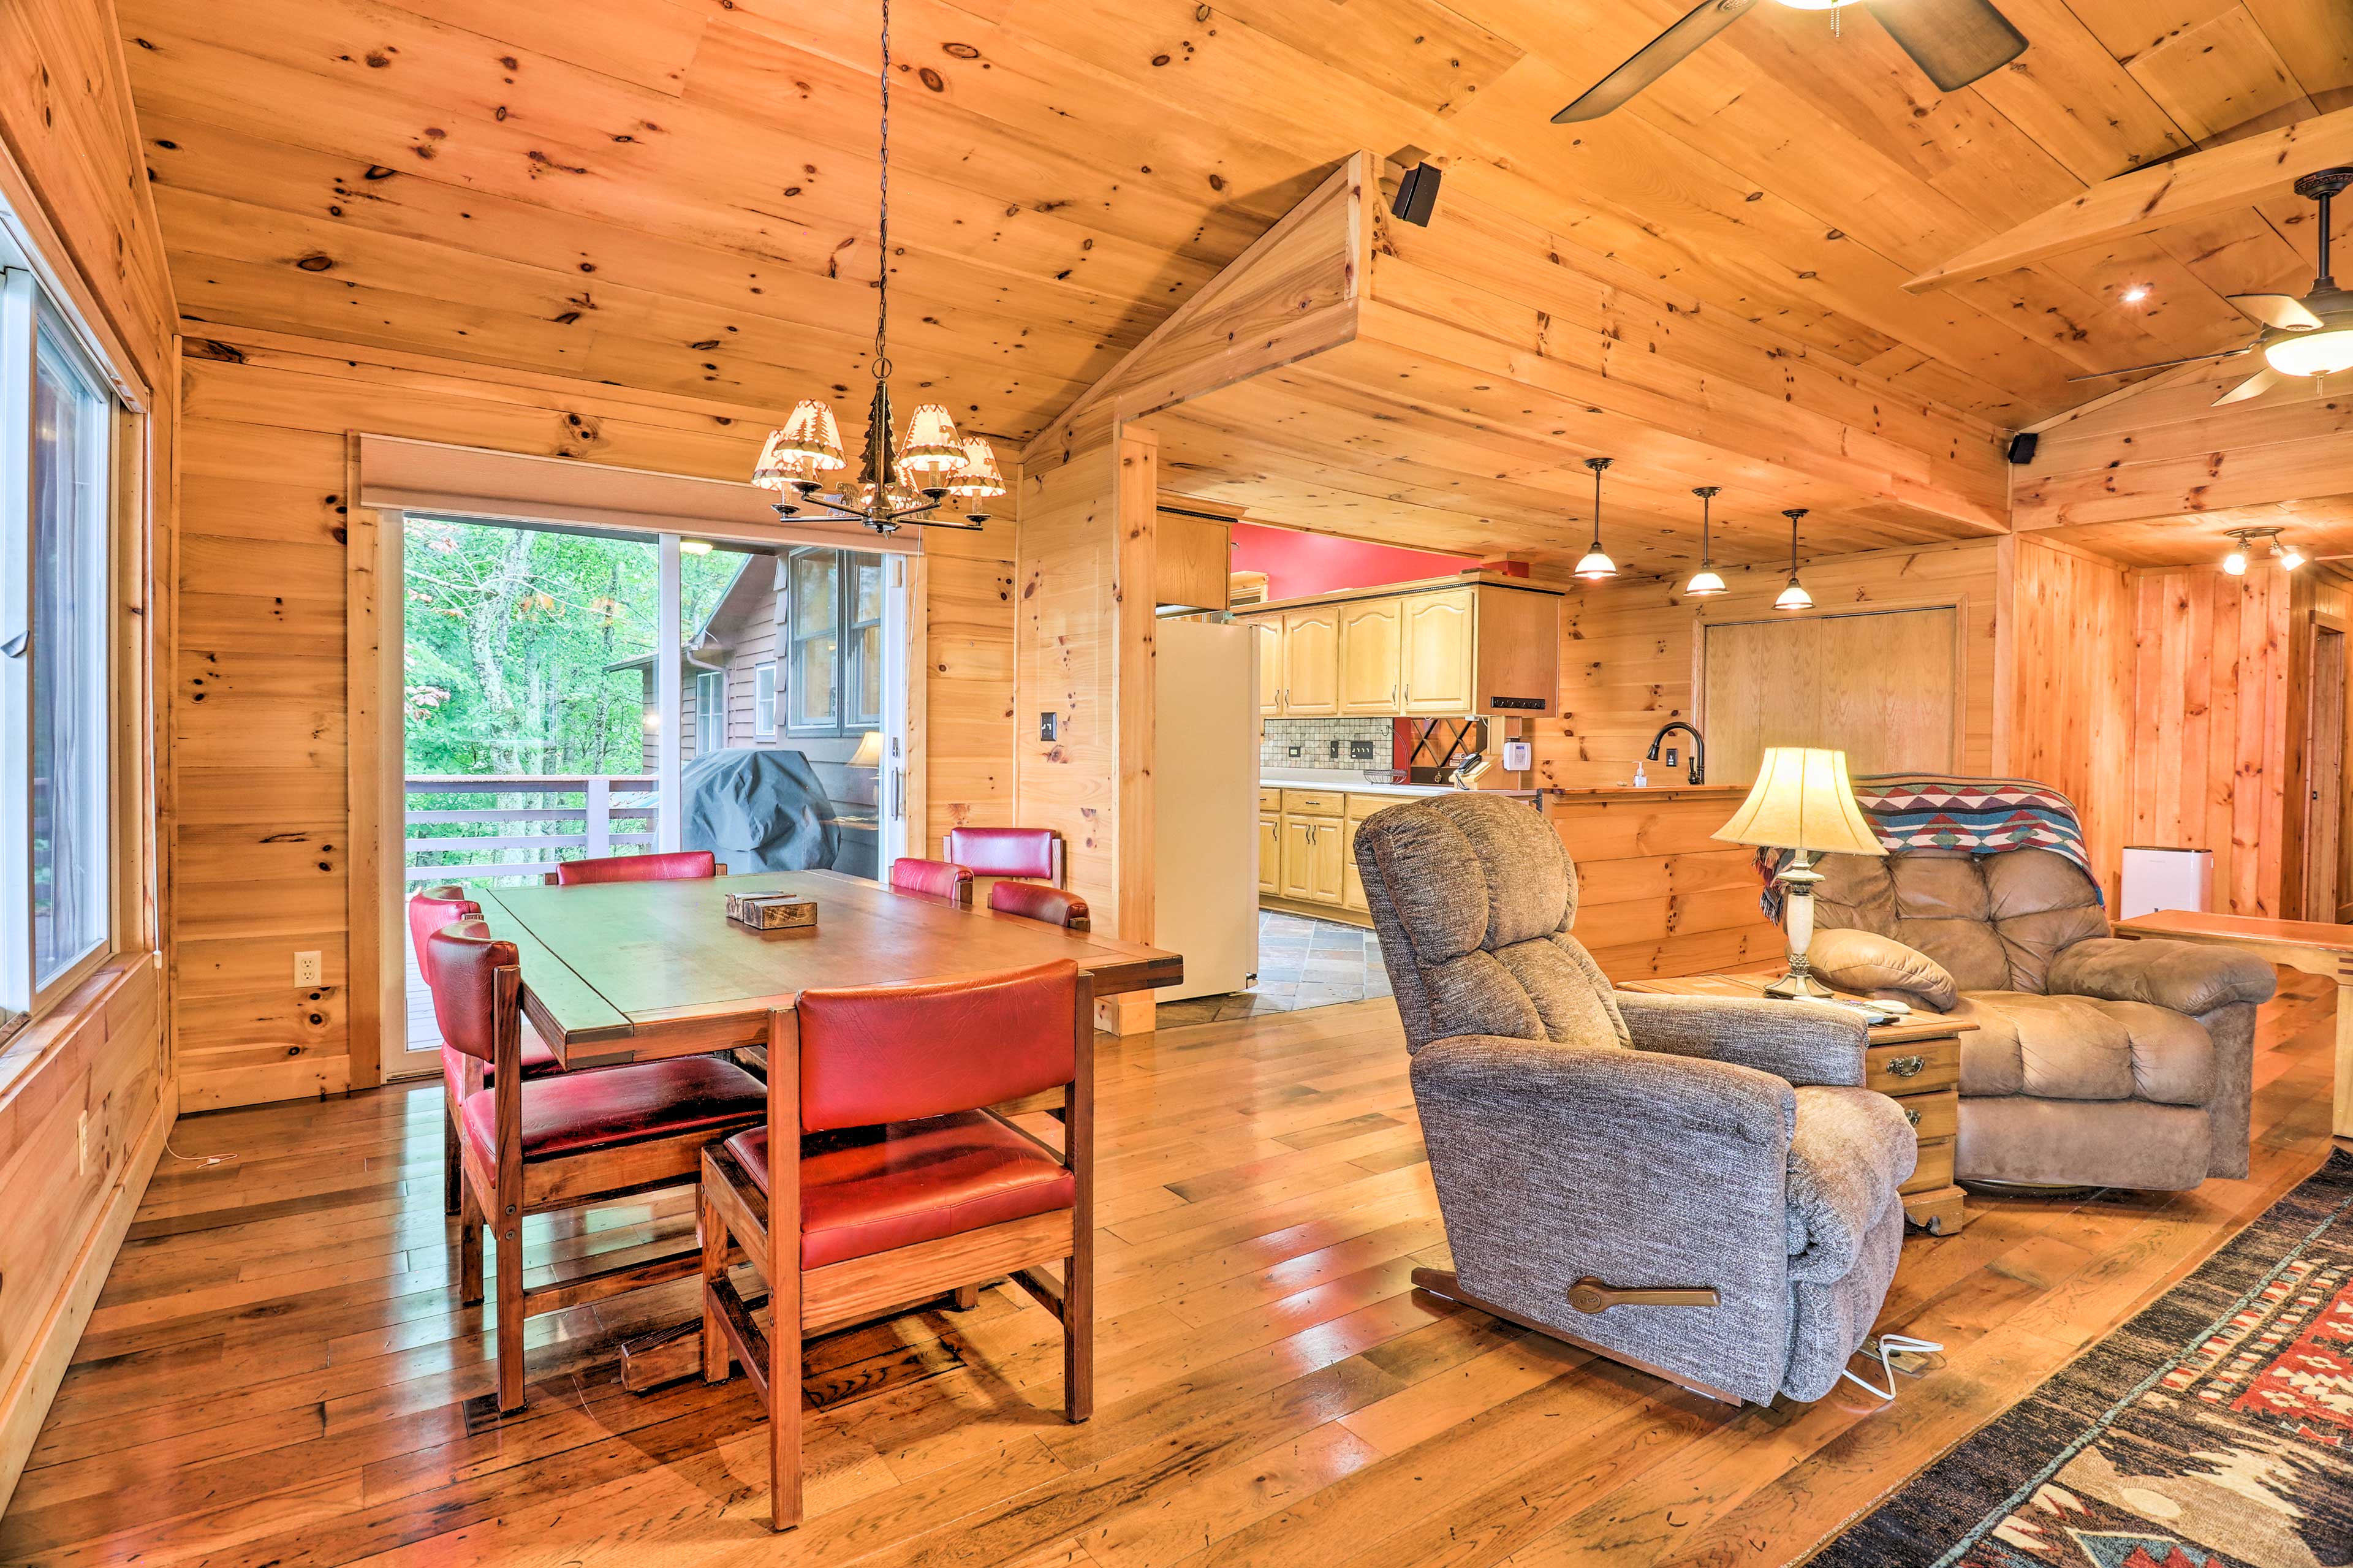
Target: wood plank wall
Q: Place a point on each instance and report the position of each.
(1657, 894)
(267, 830)
(2209, 723)
(86, 1094)
(2070, 635)
(1629, 650)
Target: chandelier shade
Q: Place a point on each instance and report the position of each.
(980, 480)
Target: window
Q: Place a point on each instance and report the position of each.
(57, 439)
(764, 701)
(709, 712)
(834, 673)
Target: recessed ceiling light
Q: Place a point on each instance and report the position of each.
(2136, 294)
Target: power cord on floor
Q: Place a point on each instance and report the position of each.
(201, 1161)
(1887, 1347)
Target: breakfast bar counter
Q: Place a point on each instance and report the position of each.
(1657, 895)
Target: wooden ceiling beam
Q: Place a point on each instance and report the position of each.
(2193, 186)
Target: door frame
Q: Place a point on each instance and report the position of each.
(2307, 619)
(376, 1023)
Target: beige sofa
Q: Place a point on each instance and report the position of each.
(2094, 1060)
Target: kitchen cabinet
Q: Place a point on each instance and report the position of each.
(1442, 649)
(1270, 854)
(1311, 662)
(1351, 882)
(1193, 561)
(1370, 632)
(1307, 846)
(1440, 656)
(1311, 860)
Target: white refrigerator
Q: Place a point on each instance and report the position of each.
(1205, 799)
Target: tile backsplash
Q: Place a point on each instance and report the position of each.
(1314, 739)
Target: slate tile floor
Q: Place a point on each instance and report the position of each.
(1301, 964)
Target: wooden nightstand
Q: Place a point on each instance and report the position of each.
(1917, 1062)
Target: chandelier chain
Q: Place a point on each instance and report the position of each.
(882, 262)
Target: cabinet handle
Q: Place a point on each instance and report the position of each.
(1912, 1116)
(1906, 1066)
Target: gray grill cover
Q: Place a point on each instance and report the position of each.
(758, 810)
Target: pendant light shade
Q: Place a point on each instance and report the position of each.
(1794, 595)
(980, 480)
(1595, 565)
(1704, 582)
(933, 446)
(811, 433)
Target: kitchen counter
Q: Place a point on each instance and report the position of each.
(1354, 784)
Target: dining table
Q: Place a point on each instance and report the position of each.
(634, 972)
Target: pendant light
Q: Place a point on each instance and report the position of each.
(1704, 582)
(1794, 597)
(899, 482)
(1595, 566)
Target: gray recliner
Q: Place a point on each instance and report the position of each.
(1583, 1136)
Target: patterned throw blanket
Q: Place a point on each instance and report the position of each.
(1937, 811)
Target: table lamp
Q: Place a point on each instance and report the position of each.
(1801, 801)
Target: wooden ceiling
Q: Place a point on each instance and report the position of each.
(678, 194)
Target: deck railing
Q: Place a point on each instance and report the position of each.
(530, 818)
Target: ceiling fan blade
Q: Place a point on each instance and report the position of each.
(1655, 58)
(2255, 386)
(2285, 311)
(1955, 41)
(2160, 364)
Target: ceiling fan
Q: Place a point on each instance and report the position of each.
(2308, 337)
(1955, 41)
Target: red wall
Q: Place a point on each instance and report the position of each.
(1297, 564)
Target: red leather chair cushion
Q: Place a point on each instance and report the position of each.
(578, 1111)
(429, 912)
(538, 1062)
(680, 866)
(1004, 851)
(901, 1053)
(1035, 900)
(463, 960)
(871, 1189)
(937, 879)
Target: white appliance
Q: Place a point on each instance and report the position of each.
(1205, 800)
(2165, 879)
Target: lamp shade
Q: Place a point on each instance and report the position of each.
(810, 433)
(980, 480)
(931, 447)
(1705, 581)
(1802, 800)
(869, 751)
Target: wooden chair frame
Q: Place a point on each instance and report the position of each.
(499, 1197)
(741, 1224)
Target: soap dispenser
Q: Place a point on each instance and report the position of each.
(1641, 781)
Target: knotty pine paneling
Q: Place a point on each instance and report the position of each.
(2071, 629)
(2209, 727)
(261, 727)
(1657, 895)
(1630, 650)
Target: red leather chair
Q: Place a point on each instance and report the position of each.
(905, 1185)
(429, 911)
(932, 879)
(1031, 853)
(1033, 901)
(678, 866)
(569, 1142)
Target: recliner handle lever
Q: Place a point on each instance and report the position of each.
(1593, 1296)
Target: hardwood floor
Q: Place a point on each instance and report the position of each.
(277, 1372)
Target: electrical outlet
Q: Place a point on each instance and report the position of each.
(1361, 750)
(1295, 751)
(308, 970)
(1335, 748)
(81, 1145)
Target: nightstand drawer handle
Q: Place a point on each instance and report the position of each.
(1906, 1066)
(1912, 1116)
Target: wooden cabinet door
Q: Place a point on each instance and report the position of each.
(1325, 881)
(1269, 856)
(1370, 632)
(1311, 662)
(1298, 857)
(1268, 630)
(1439, 666)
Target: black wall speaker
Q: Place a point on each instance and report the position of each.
(2021, 447)
(1417, 195)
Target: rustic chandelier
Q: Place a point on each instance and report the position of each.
(899, 482)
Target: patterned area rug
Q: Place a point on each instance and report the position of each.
(2215, 1430)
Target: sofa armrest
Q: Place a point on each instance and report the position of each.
(1557, 1163)
(1796, 1042)
(2193, 977)
(1871, 965)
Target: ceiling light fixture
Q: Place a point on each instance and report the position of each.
(1705, 581)
(2246, 542)
(2136, 294)
(898, 483)
(1595, 565)
(1794, 597)
(2290, 557)
(2235, 563)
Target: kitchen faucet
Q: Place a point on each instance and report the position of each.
(1699, 748)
